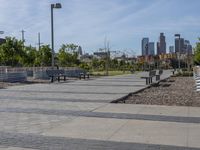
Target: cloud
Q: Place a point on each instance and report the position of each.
(87, 22)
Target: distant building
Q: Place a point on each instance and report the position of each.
(80, 52)
(188, 47)
(171, 49)
(101, 55)
(144, 46)
(151, 48)
(161, 45)
(86, 58)
(179, 45)
(2, 41)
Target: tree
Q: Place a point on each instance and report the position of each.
(43, 56)
(29, 57)
(68, 55)
(11, 52)
(197, 53)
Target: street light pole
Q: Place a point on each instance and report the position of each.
(57, 5)
(52, 38)
(179, 49)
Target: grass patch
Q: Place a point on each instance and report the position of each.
(111, 73)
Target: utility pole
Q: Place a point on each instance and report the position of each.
(106, 44)
(39, 43)
(23, 40)
(39, 46)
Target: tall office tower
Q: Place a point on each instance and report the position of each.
(80, 52)
(151, 48)
(189, 50)
(171, 49)
(179, 45)
(187, 47)
(145, 42)
(161, 45)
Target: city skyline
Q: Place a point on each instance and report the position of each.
(87, 23)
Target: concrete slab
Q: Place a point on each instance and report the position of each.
(87, 128)
(147, 109)
(163, 133)
(53, 105)
(193, 135)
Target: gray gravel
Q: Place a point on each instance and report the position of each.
(178, 91)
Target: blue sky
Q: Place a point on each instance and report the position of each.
(88, 22)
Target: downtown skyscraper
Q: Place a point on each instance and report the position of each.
(144, 46)
(161, 45)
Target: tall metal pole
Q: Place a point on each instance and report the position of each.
(39, 41)
(23, 40)
(179, 64)
(52, 38)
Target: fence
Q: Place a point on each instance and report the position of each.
(20, 74)
(197, 77)
(8, 74)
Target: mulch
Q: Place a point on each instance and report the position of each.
(176, 91)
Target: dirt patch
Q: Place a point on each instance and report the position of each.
(176, 91)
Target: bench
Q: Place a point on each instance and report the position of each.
(56, 73)
(84, 75)
(173, 71)
(160, 72)
(152, 74)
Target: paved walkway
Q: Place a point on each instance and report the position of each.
(79, 116)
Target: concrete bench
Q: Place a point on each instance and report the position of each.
(56, 73)
(173, 71)
(150, 76)
(84, 75)
(160, 72)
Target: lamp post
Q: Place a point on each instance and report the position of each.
(57, 6)
(179, 49)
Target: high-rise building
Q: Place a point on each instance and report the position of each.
(187, 47)
(151, 48)
(171, 49)
(161, 45)
(179, 45)
(80, 52)
(145, 42)
(190, 49)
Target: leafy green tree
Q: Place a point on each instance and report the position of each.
(197, 53)
(43, 56)
(11, 52)
(68, 55)
(29, 57)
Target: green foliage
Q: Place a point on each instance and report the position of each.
(197, 53)
(11, 52)
(29, 57)
(68, 55)
(43, 57)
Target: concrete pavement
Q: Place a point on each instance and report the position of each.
(78, 115)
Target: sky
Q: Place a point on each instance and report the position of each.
(89, 22)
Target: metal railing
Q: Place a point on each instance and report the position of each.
(197, 77)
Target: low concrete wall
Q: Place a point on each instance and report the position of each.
(40, 75)
(13, 77)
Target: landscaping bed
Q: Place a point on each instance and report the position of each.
(175, 91)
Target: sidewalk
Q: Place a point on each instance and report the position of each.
(77, 115)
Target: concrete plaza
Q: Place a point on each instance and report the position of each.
(78, 115)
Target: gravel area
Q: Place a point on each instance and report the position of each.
(29, 81)
(176, 91)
